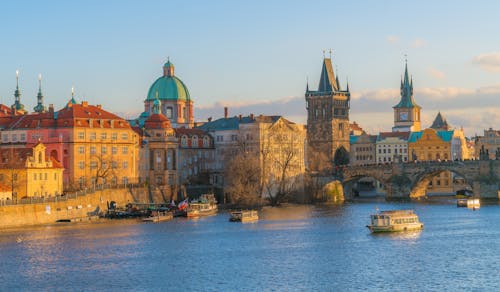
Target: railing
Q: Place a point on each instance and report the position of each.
(68, 196)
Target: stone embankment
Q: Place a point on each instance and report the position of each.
(74, 209)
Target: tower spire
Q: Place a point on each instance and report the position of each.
(39, 108)
(17, 106)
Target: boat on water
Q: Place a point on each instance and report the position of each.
(206, 205)
(394, 221)
(463, 194)
(471, 203)
(159, 216)
(244, 216)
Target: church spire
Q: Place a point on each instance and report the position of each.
(17, 95)
(407, 100)
(39, 108)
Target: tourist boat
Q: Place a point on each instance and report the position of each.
(244, 216)
(472, 203)
(393, 221)
(159, 216)
(206, 205)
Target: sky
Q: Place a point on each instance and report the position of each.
(255, 56)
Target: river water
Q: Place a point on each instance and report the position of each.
(293, 248)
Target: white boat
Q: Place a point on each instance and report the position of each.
(206, 205)
(244, 216)
(471, 203)
(395, 220)
(158, 216)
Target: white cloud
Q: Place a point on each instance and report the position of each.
(444, 92)
(418, 43)
(392, 39)
(436, 73)
(379, 94)
(494, 89)
(489, 62)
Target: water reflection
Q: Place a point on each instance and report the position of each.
(312, 248)
(406, 236)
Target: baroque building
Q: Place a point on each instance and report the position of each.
(28, 172)
(406, 112)
(159, 152)
(363, 149)
(328, 118)
(392, 147)
(176, 102)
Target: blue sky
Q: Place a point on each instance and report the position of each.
(256, 55)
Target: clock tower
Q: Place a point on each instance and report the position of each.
(406, 112)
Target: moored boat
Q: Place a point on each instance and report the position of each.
(394, 221)
(244, 216)
(206, 205)
(159, 216)
(471, 203)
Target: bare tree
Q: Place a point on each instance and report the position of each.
(243, 179)
(103, 167)
(279, 154)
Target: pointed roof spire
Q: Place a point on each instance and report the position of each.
(407, 100)
(347, 86)
(440, 123)
(39, 108)
(307, 83)
(327, 81)
(18, 106)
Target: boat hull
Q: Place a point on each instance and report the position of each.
(396, 228)
(159, 218)
(197, 213)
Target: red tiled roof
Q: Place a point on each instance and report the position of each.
(75, 115)
(157, 121)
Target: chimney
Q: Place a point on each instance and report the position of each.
(251, 117)
(239, 117)
(85, 103)
(51, 108)
(210, 119)
(99, 106)
(225, 112)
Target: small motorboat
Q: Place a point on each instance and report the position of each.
(244, 216)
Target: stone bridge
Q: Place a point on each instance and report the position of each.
(410, 180)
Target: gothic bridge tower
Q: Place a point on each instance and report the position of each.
(328, 120)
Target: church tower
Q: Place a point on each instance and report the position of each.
(328, 120)
(406, 112)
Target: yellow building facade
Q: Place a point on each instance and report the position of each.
(30, 173)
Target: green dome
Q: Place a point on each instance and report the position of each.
(168, 86)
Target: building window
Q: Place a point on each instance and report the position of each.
(125, 164)
(34, 176)
(124, 136)
(114, 164)
(234, 137)
(124, 150)
(114, 136)
(194, 141)
(104, 136)
(14, 137)
(23, 137)
(81, 164)
(104, 149)
(93, 164)
(92, 150)
(92, 136)
(169, 112)
(206, 141)
(220, 138)
(124, 180)
(81, 149)
(184, 141)
(81, 135)
(114, 150)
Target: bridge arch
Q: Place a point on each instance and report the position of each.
(421, 181)
(349, 182)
